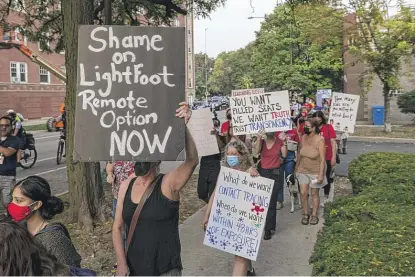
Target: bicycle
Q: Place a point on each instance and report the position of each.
(61, 148)
(28, 155)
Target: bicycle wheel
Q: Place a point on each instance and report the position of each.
(28, 158)
(59, 152)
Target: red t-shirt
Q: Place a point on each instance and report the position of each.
(224, 127)
(328, 132)
(300, 128)
(270, 158)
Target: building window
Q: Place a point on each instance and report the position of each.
(44, 76)
(47, 43)
(190, 83)
(18, 72)
(189, 49)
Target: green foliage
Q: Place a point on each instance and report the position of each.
(300, 48)
(373, 168)
(232, 70)
(406, 102)
(371, 233)
(43, 23)
(200, 68)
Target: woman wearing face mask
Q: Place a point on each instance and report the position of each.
(329, 135)
(33, 202)
(272, 151)
(154, 248)
(310, 169)
(21, 255)
(238, 158)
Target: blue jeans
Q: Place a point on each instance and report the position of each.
(289, 168)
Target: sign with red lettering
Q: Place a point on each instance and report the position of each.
(269, 111)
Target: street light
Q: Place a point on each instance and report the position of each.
(206, 69)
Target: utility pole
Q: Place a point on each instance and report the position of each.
(206, 68)
(107, 12)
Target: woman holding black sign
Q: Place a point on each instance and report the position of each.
(149, 205)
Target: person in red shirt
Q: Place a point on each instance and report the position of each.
(226, 125)
(289, 162)
(328, 133)
(301, 120)
(271, 149)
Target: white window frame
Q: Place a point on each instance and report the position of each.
(42, 72)
(63, 68)
(47, 43)
(19, 66)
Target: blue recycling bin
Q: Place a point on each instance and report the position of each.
(378, 115)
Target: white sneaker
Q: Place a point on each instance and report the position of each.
(279, 205)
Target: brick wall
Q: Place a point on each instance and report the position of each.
(32, 100)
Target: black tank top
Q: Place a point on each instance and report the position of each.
(155, 247)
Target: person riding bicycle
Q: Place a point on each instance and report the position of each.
(62, 117)
(17, 120)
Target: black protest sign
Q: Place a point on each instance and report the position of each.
(130, 82)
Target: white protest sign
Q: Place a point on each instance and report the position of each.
(343, 114)
(269, 111)
(200, 127)
(238, 213)
(250, 91)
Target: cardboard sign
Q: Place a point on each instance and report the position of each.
(269, 111)
(242, 92)
(200, 127)
(343, 114)
(130, 82)
(238, 214)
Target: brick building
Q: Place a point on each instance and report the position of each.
(36, 93)
(353, 69)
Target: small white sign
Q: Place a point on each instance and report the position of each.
(200, 127)
(343, 114)
(250, 91)
(254, 112)
(238, 214)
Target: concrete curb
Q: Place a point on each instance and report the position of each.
(381, 139)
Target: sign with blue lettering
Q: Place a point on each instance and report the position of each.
(269, 111)
(238, 213)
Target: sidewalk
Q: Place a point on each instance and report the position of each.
(32, 122)
(286, 254)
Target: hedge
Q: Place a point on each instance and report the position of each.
(371, 233)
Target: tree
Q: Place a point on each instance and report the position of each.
(56, 29)
(383, 43)
(300, 48)
(232, 70)
(200, 68)
(406, 102)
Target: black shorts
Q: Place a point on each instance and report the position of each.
(206, 182)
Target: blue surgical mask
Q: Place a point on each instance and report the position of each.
(233, 161)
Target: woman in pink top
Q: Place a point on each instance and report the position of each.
(272, 150)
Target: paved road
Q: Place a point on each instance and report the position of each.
(46, 145)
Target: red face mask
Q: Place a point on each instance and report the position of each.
(19, 213)
(304, 114)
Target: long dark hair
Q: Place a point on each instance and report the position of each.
(38, 189)
(321, 115)
(21, 255)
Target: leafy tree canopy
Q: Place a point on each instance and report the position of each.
(42, 19)
(406, 102)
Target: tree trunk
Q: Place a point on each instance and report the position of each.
(84, 179)
(387, 97)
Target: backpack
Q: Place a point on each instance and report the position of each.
(74, 271)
